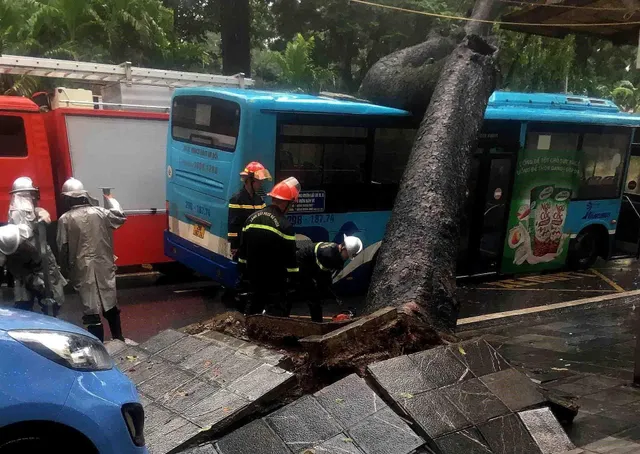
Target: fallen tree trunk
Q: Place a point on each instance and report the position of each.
(406, 79)
(417, 259)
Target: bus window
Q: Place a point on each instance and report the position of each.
(602, 165)
(390, 154)
(13, 141)
(553, 141)
(303, 161)
(319, 155)
(205, 121)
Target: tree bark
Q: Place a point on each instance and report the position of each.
(406, 79)
(235, 30)
(417, 259)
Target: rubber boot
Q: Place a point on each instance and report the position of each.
(115, 324)
(315, 310)
(97, 330)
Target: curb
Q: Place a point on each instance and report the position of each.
(541, 312)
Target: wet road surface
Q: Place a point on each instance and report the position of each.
(524, 291)
(151, 302)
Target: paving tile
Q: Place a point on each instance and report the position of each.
(435, 414)
(440, 367)
(156, 416)
(349, 400)
(162, 340)
(398, 376)
(385, 432)
(206, 358)
(164, 383)
(340, 444)
(546, 431)
(129, 357)
(216, 408)
(187, 395)
(114, 346)
(183, 348)
(171, 435)
(507, 435)
(231, 368)
(207, 448)
(479, 356)
(595, 427)
(144, 400)
(475, 401)
(467, 441)
(263, 354)
(632, 434)
(145, 370)
(588, 385)
(260, 381)
(612, 445)
(255, 437)
(620, 395)
(514, 389)
(303, 423)
(224, 340)
(556, 344)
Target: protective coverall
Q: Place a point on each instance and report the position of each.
(29, 264)
(268, 252)
(85, 242)
(318, 262)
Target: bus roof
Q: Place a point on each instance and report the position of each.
(543, 107)
(293, 102)
(562, 108)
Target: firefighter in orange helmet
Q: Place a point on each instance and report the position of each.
(268, 251)
(243, 204)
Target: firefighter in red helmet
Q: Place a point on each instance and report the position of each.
(268, 251)
(243, 204)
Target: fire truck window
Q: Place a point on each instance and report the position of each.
(205, 121)
(13, 141)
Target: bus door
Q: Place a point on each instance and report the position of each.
(488, 199)
(627, 239)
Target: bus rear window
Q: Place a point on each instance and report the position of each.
(13, 141)
(210, 122)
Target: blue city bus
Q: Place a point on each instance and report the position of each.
(554, 178)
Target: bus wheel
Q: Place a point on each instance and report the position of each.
(583, 250)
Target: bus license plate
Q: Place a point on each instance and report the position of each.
(198, 230)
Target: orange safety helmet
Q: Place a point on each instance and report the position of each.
(288, 189)
(256, 170)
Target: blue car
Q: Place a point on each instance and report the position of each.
(60, 391)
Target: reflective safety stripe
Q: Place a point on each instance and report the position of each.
(242, 261)
(293, 270)
(270, 229)
(247, 207)
(315, 252)
(232, 235)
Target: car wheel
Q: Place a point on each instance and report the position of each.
(43, 438)
(584, 250)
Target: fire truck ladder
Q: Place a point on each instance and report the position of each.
(106, 73)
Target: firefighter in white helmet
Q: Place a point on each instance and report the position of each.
(37, 275)
(318, 264)
(85, 241)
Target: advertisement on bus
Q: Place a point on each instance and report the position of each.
(536, 236)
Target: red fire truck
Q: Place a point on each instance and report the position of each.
(119, 144)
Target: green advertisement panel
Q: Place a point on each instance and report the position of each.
(543, 185)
